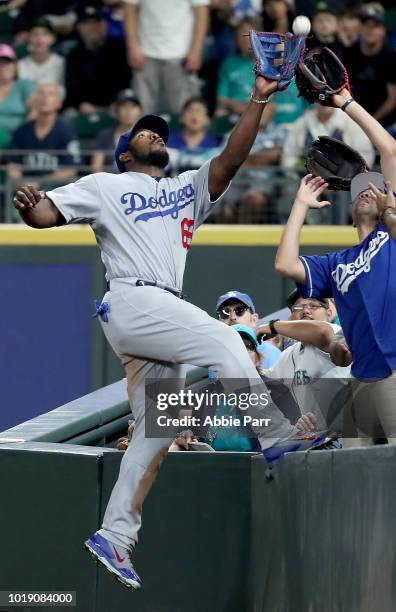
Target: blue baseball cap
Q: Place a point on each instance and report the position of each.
(148, 122)
(244, 330)
(236, 295)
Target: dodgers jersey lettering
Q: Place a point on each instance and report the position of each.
(362, 280)
(143, 226)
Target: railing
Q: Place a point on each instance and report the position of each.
(257, 194)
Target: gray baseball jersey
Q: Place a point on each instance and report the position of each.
(143, 226)
(306, 370)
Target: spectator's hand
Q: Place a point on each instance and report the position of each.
(192, 61)
(309, 191)
(136, 58)
(383, 200)
(262, 330)
(307, 422)
(182, 441)
(86, 108)
(27, 196)
(122, 444)
(340, 354)
(342, 97)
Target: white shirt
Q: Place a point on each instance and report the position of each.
(352, 135)
(50, 71)
(309, 373)
(143, 227)
(165, 27)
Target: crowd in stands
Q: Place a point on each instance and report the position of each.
(75, 75)
(295, 364)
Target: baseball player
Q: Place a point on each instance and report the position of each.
(362, 279)
(144, 224)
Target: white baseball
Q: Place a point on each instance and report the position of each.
(301, 26)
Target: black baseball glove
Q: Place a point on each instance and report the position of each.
(335, 162)
(320, 75)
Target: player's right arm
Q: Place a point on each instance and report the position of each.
(287, 261)
(35, 209)
(379, 137)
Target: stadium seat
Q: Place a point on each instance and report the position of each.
(88, 126)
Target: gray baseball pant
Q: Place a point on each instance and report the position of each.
(164, 85)
(154, 333)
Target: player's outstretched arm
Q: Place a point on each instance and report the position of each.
(35, 209)
(317, 333)
(224, 166)
(379, 137)
(287, 261)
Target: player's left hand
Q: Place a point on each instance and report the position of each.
(383, 200)
(264, 87)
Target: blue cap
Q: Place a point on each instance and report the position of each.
(244, 330)
(236, 295)
(148, 122)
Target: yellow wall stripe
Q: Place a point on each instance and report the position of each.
(207, 235)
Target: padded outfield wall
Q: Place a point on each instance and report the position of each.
(53, 351)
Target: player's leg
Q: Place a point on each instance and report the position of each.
(113, 544)
(146, 83)
(141, 461)
(163, 327)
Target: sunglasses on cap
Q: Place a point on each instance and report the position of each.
(226, 313)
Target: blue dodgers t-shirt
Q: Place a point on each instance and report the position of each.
(362, 280)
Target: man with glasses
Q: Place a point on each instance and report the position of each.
(305, 366)
(234, 308)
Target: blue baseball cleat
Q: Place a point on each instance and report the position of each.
(116, 559)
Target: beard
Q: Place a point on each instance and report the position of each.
(159, 158)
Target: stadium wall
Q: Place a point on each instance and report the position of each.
(221, 532)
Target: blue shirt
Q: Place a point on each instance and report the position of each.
(270, 354)
(362, 280)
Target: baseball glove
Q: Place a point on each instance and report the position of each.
(320, 75)
(276, 55)
(335, 162)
